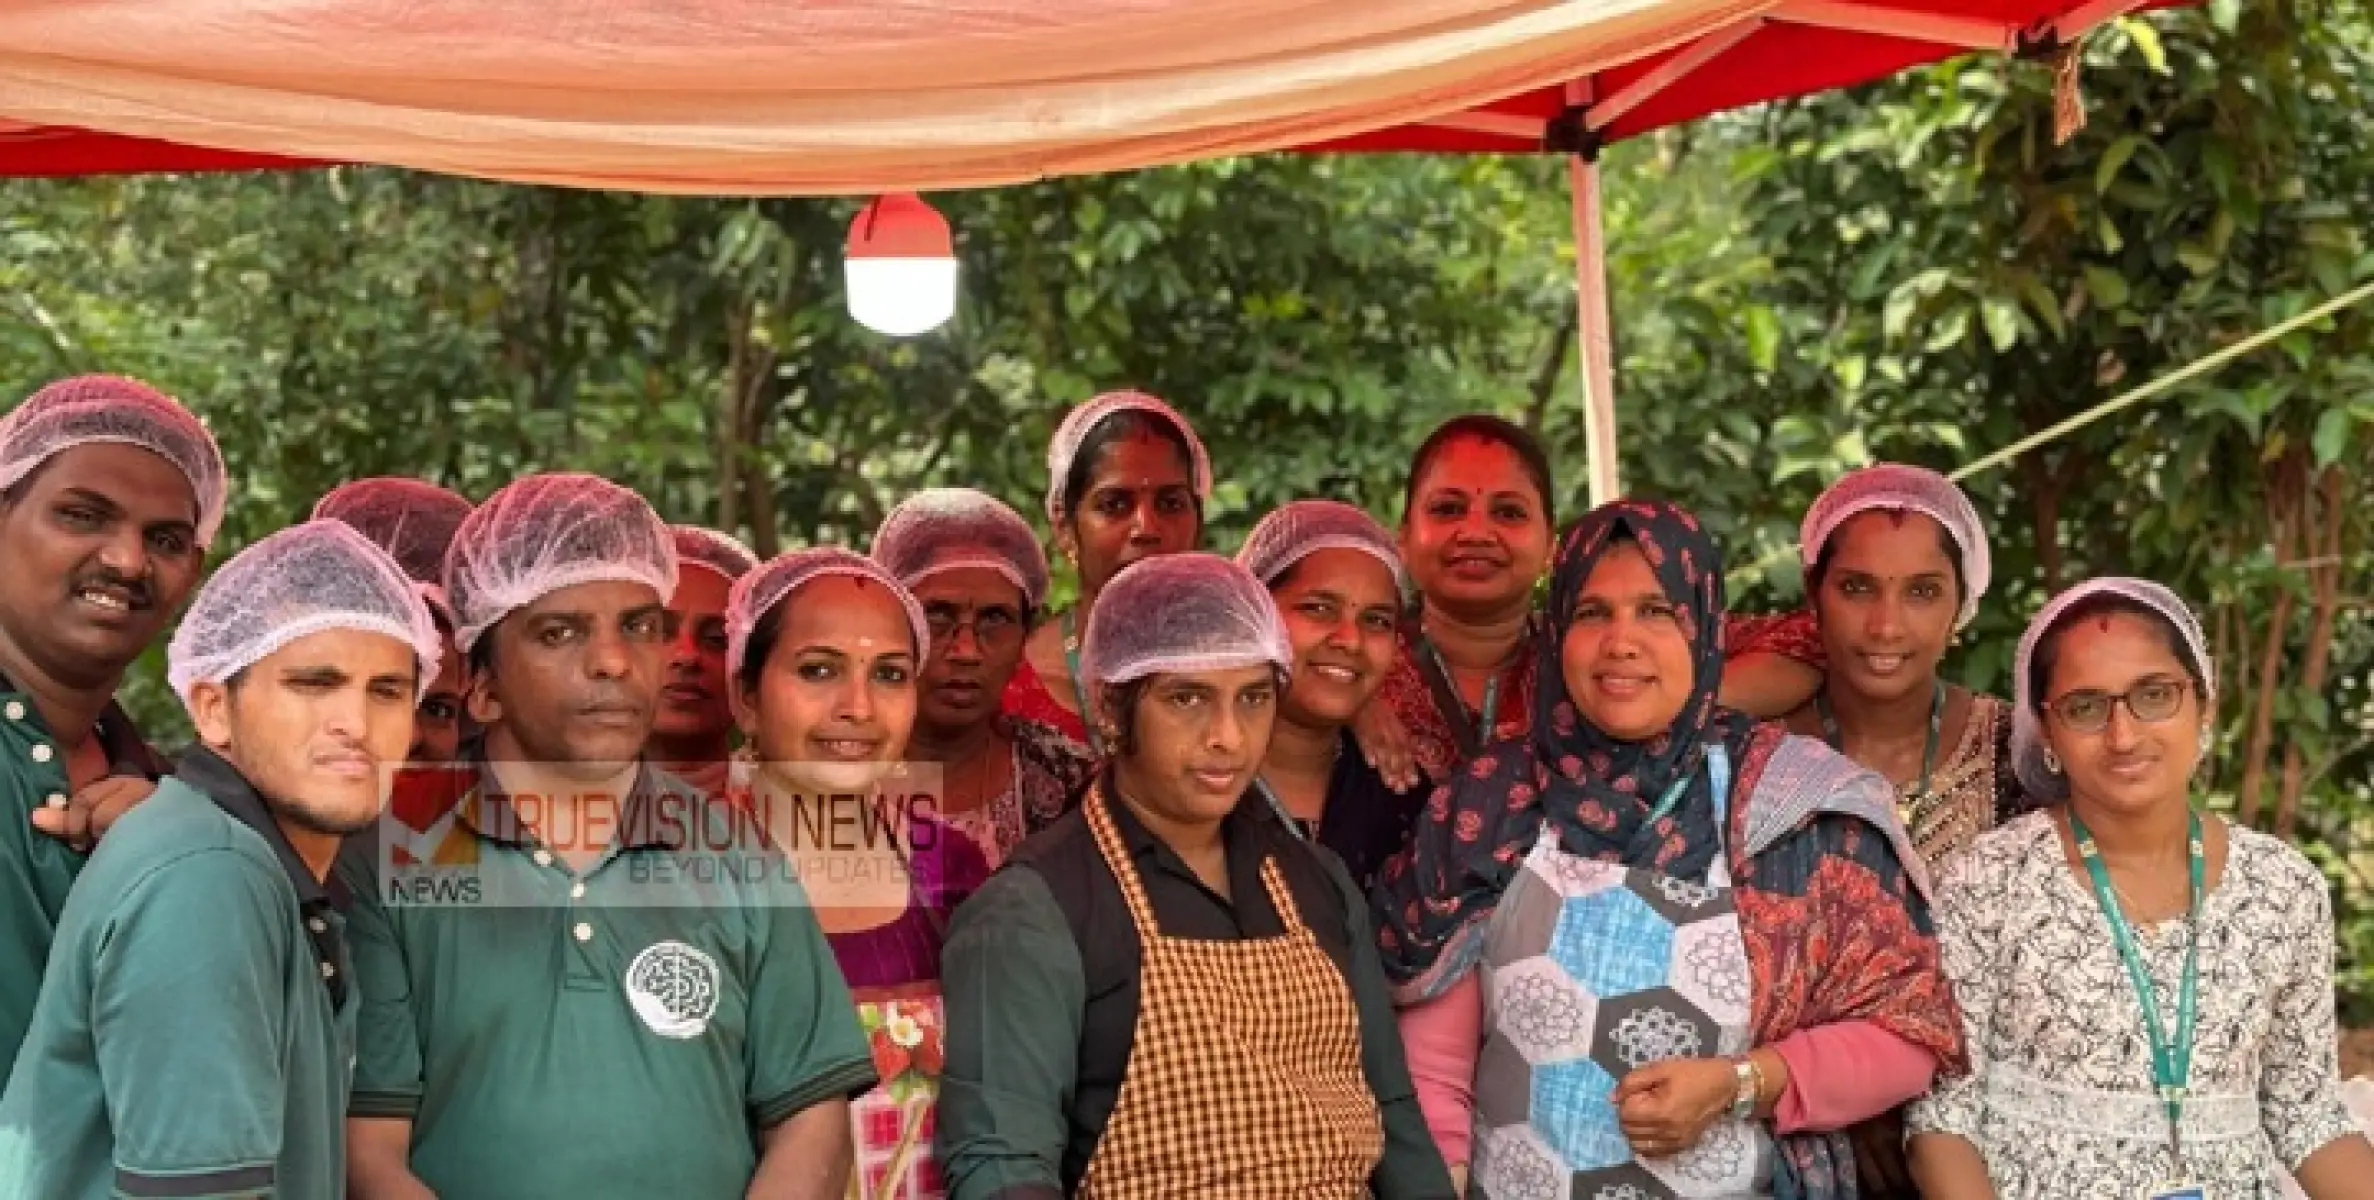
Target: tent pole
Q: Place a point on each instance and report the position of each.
(1593, 346)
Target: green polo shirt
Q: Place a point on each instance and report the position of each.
(190, 1040)
(36, 869)
(630, 1032)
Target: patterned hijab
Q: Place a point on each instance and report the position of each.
(1595, 791)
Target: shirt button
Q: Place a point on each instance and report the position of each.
(543, 858)
(315, 924)
(16, 710)
(57, 799)
(42, 752)
(577, 890)
(328, 971)
(583, 931)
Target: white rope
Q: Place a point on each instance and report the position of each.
(2135, 396)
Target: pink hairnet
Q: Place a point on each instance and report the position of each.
(112, 408)
(298, 582)
(761, 590)
(1081, 421)
(946, 529)
(548, 532)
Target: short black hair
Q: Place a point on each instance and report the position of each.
(760, 646)
(1487, 428)
(1945, 542)
(2105, 604)
(1121, 425)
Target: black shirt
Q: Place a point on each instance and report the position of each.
(1041, 975)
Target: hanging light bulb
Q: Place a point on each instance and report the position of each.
(901, 267)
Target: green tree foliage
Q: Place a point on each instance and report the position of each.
(1913, 271)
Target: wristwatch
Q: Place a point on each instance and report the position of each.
(1751, 1087)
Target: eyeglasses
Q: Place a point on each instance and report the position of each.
(989, 624)
(2152, 701)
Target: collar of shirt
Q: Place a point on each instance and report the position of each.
(1245, 833)
(127, 752)
(211, 774)
(640, 814)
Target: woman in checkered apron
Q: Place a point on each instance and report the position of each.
(1657, 949)
(1169, 992)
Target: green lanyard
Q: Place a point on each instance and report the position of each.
(1837, 738)
(2171, 1065)
(1490, 716)
(1071, 662)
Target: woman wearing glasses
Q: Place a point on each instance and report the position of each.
(977, 569)
(2147, 991)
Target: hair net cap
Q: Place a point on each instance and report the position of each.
(1295, 531)
(1182, 613)
(2027, 726)
(112, 408)
(544, 533)
(412, 519)
(761, 590)
(717, 552)
(1894, 487)
(1083, 420)
(300, 581)
(948, 529)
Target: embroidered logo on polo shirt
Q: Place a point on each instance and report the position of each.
(673, 987)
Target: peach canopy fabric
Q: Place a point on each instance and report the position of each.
(776, 96)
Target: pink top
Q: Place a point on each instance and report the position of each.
(1839, 1074)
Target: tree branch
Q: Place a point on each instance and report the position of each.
(2326, 580)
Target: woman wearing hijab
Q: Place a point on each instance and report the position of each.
(977, 569)
(1337, 582)
(822, 646)
(2148, 991)
(1896, 563)
(1127, 479)
(1656, 945)
(1167, 993)
(1476, 529)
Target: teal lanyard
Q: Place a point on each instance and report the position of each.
(1718, 776)
(2171, 1064)
(1490, 716)
(1071, 662)
(1837, 738)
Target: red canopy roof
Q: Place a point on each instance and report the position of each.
(1789, 48)
(1794, 48)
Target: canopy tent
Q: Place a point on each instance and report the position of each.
(899, 95)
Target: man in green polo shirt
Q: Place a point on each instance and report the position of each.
(109, 494)
(577, 978)
(194, 1036)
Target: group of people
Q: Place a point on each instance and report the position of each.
(528, 847)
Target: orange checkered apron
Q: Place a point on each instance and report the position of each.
(1244, 1079)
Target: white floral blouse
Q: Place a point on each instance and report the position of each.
(2060, 1099)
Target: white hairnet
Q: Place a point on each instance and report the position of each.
(946, 529)
(1083, 420)
(699, 547)
(298, 582)
(761, 590)
(1894, 487)
(548, 532)
(1182, 613)
(1293, 532)
(111, 408)
(2027, 728)
(412, 519)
